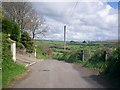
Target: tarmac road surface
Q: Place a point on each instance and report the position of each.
(58, 74)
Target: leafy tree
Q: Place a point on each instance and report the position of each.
(7, 26)
(15, 33)
(10, 27)
(27, 42)
(84, 42)
(72, 41)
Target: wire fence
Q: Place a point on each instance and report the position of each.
(101, 54)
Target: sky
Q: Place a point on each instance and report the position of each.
(90, 21)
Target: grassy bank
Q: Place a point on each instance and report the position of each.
(11, 71)
(0, 60)
(0, 79)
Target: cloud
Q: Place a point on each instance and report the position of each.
(88, 21)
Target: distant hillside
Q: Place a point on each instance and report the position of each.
(111, 41)
(80, 41)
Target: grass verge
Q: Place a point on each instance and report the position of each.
(42, 55)
(10, 72)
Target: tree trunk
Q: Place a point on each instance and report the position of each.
(33, 35)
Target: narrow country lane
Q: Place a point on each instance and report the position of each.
(58, 74)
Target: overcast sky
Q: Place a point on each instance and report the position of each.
(84, 20)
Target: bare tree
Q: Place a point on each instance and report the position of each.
(17, 11)
(37, 25)
(26, 17)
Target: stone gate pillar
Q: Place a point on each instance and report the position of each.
(13, 50)
(35, 53)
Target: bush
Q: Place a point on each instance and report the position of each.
(113, 68)
(27, 42)
(6, 48)
(97, 60)
(10, 27)
(7, 26)
(15, 33)
(20, 45)
(69, 56)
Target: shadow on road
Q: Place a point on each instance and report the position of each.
(92, 76)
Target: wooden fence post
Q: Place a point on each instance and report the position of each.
(89, 54)
(106, 55)
(83, 55)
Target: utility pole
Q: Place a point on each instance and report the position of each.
(64, 37)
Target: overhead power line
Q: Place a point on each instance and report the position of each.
(72, 13)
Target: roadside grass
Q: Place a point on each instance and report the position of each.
(40, 55)
(0, 79)
(80, 62)
(99, 65)
(11, 71)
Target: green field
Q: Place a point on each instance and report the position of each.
(58, 47)
(59, 44)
